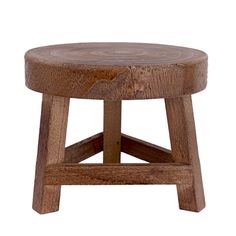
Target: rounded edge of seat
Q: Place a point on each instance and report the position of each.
(116, 82)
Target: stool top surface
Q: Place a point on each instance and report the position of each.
(116, 71)
(115, 54)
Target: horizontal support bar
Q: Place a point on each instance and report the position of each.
(103, 174)
(84, 149)
(145, 151)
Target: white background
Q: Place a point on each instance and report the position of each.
(118, 210)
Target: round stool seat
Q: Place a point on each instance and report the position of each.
(116, 71)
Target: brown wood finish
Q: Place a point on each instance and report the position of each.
(112, 132)
(144, 150)
(115, 71)
(84, 149)
(118, 174)
(185, 150)
(51, 150)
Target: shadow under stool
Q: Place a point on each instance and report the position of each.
(114, 72)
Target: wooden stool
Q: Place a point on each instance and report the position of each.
(113, 72)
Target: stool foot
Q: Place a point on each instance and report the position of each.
(184, 150)
(51, 150)
(190, 197)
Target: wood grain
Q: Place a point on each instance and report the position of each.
(104, 174)
(116, 71)
(185, 150)
(144, 150)
(112, 132)
(51, 149)
(84, 149)
(113, 72)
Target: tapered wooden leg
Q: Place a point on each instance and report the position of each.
(112, 132)
(185, 150)
(51, 150)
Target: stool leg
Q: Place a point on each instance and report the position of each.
(184, 149)
(112, 132)
(51, 149)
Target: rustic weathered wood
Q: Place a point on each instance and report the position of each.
(51, 150)
(115, 71)
(162, 173)
(185, 150)
(84, 149)
(144, 150)
(112, 132)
